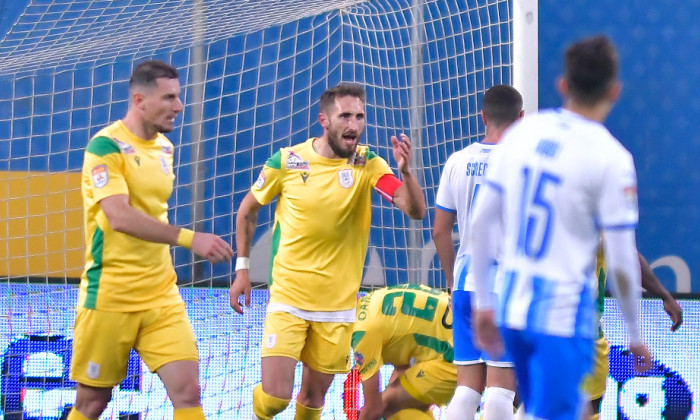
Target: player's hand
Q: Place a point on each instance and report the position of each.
(211, 247)
(402, 152)
(487, 336)
(642, 357)
(675, 312)
(240, 286)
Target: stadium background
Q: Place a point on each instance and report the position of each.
(653, 119)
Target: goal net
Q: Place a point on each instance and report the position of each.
(252, 73)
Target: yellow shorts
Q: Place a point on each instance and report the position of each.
(431, 381)
(323, 346)
(594, 383)
(103, 341)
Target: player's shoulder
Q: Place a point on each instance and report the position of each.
(290, 157)
(103, 142)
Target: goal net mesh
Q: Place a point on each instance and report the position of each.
(252, 73)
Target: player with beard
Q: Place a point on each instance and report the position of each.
(128, 293)
(324, 189)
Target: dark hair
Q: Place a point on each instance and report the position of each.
(146, 73)
(502, 105)
(340, 91)
(590, 68)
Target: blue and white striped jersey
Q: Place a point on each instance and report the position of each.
(562, 179)
(460, 181)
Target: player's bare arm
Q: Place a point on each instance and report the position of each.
(409, 196)
(444, 244)
(126, 219)
(373, 408)
(246, 223)
(652, 285)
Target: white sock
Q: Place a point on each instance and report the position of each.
(464, 404)
(498, 403)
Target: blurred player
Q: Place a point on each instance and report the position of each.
(324, 188)
(557, 180)
(460, 181)
(595, 383)
(128, 293)
(409, 327)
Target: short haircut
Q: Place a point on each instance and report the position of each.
(342, 90)
(590, 67)
(502, 105)
(146, 73)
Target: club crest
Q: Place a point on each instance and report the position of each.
(345, 178)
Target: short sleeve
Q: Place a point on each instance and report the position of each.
(617, 206)
(269, 182)
(444, 199)
(103, 165)
(376, 167)
(367, 343)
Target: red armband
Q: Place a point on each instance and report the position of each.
(387, 186)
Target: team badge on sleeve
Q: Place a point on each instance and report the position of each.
(100, 176)
(345, 178)
(260, 182)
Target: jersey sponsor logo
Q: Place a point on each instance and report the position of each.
(93, 370)
(295, 161)
(271, 341)
(345, 178)
(164, 165)
(631, 196)
(165, 148)
(126, 148)
(100, 176)
(369, 365)
(260, 182)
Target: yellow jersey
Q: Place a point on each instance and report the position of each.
(321, 225)
(400, 325)
(123, 273)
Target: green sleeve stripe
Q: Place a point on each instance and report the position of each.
(356, 337)
(276, 235)
(441, 347)
(275, 161)
(102, 146)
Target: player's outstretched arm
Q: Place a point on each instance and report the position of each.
(409, 196)
(246, 223)
(126, 219)
(373, 408)
(652, 285)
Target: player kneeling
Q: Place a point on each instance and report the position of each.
(409, 327)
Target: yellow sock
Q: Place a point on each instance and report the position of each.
(412, 414)
(76, 415)
(595, 416)
(189, 413)
(266, 406)
(307, 413)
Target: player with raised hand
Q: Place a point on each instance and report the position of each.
(323, 188)
(558, 179)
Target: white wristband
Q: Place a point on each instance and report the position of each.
(242, 263)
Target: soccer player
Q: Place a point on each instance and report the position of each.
(128, 294)
(321, 227)
(595, 383)
(410, 327)
(558, 179)
(460, 181)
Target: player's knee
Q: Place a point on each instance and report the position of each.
(464, 403)
(498, 403)
(266, 406)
